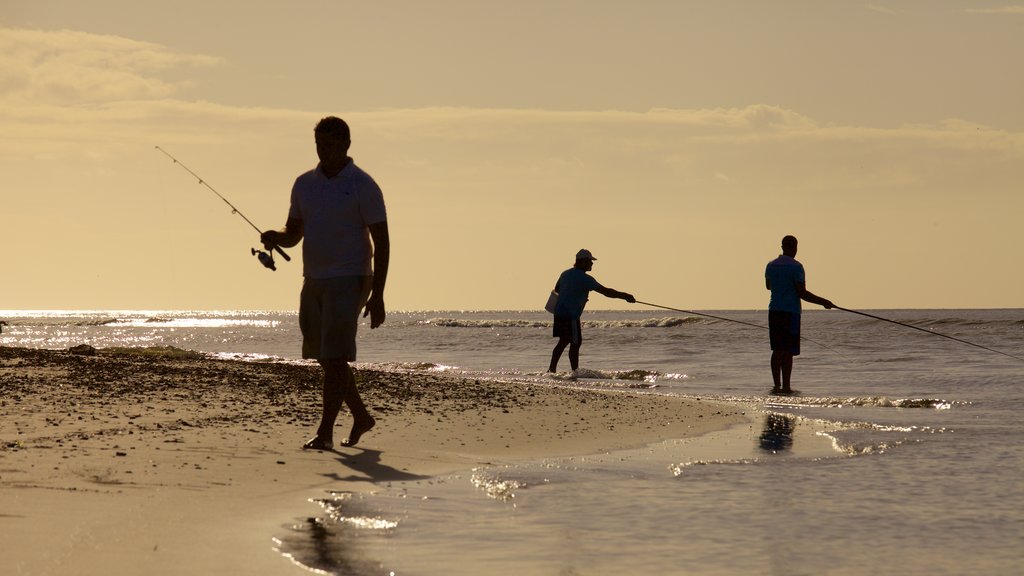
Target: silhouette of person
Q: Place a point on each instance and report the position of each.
(573, 288)
(784, 276)
(339, 211)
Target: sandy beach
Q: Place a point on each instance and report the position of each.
(162, 461)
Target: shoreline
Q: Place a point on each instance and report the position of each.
(166, 461)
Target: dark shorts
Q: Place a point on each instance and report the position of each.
(568, 328)
(784, 331)
(329, 315)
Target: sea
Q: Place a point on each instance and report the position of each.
(902, 453)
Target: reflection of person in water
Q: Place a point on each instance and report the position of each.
(778, 433)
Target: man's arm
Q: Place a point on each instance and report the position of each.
(381, 258)
(807, 296)
(288, 237)
(616, 294)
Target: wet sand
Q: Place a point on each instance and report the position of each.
(162, 461)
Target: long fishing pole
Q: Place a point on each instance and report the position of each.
(759, 326)
(266, 258)
(932, 332)
(702, 314)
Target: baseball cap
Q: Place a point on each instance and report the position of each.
(585, 254)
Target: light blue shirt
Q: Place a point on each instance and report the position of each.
(783, 275)
(573, 287)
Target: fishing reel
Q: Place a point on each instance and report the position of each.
(265, 258)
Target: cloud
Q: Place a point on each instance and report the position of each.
(78, 68)
(996, 10)
(883, 9)
(60, 89)
(663, 135)
(124, 98)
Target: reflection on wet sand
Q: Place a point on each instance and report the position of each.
(777, 435)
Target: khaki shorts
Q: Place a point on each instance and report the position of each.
(329, 316)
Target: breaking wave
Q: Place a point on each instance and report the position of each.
(868, 401)
(667, 322)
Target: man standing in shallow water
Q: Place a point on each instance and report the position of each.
(573, 288)
(784, 276)
(339, 210)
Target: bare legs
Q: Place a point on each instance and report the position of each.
(339, 388)
(574, 354)
(782, 369)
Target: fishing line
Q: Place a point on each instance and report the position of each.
(265, 258)
(759, 326)
(932, 332)
(702, 314)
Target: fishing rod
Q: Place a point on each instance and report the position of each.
(932, 332)
(702, 314)
(731, 320)
(265, 258)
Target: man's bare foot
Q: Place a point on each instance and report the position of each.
(359, 427)
(317, 443)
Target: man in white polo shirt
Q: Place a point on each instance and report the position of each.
(339, 210)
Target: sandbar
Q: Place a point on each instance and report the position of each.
(164, 461)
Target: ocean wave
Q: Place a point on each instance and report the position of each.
(867, 401)
(678, 469)
(199, 322)
(62, 322)
(637, 378)
(497, 487)
(620, 379)
(413, 367)
(464, 323)
(248, 357)
(667, 322)
(96, 322)
(939, 323)
(866, 447)
(337, 509)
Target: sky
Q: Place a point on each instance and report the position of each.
(677, 140)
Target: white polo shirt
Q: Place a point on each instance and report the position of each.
(336, 215)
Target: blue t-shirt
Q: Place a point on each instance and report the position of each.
(783, 275)
(573, 287)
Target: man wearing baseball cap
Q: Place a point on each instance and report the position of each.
(573, 288)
